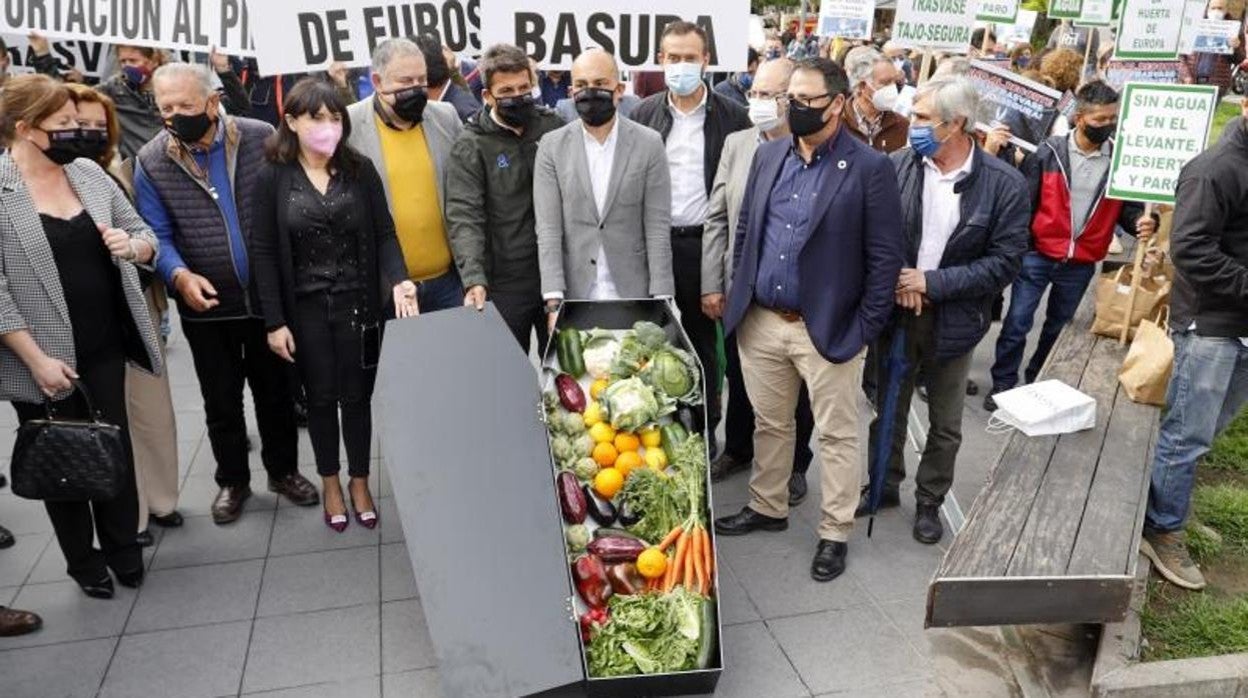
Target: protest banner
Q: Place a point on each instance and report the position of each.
(1028, 108)
(1095, 13)
(1000, 11)
(1019, 31)
(846, 19)
(1065, 9)
(1160, 128)
(1149, 30)
(1193, 12)
(555, 32)
(1214, 36)
(192, 25)
(1119, 73)
(306, 35)
(937, 25)
(87, 57)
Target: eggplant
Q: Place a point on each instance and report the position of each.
(629, 516)
(604, 532)
(612, 549)
(600, 510)
(571, 498)
(625, 579)
(570, 394)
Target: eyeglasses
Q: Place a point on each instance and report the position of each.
(806, 101)
(756, 94)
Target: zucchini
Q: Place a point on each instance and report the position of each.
(673, 435)
(708, 639)
(569, 350)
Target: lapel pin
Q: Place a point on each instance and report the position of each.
(842, 165)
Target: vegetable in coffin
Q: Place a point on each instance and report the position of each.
(568, 348)
(617, 549)
(602, 511)
(577, 537)
(675, 373)
(571, 499)
(586, 468)
(625, 579)
(570, 394)
(637, 346)
(591, 580)
(630, 404)
(651, 634)
(599, 351)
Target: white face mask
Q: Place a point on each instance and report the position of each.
(765, 114)
(1217, 14)
(885, 98)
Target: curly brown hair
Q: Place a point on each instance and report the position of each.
(1063, 66)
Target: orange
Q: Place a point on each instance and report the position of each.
(607, 482)
(627, 461)
(627, 442)
(605, 454)
(602, 433)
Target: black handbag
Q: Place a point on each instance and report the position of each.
(69, 460)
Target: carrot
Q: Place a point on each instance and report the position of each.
(699, 560)
(682, 546)
(670, 538)
(688, 569)
(709, 563)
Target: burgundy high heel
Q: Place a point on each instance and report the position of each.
(338, 522)
(367, 519)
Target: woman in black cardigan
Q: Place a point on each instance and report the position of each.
(326, 259)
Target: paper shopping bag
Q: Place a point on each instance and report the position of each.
(1145, 374)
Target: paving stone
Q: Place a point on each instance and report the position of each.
(69, 615)
(187, 596)
(365, 687)
(398, 582)
(755, 666)
(735, 605)
(311, 648)
(23, 557)
(199, 541)
(317, 581)
(303, 530)
(406, 644)
(200, 489)
(776, 575)
(40, 672)
(182, 663)
(23, 516)
(412, 684)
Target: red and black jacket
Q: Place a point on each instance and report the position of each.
(1052, 223)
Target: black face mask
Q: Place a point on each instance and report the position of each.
(515, 111)
(94, 143)
(409, 104)
(1099, 134)
(595, 105)
(189, 128)
(64, 145)
(804, 120)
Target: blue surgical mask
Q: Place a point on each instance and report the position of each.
(683, 78)
(745, 80)
(923, 140)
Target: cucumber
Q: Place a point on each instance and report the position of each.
(709, 638)
(672, 435)
(569, 350)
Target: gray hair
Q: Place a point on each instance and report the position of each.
(195, 71)
(391, 49)
(953, 97)
(954, 65)
(860, 63)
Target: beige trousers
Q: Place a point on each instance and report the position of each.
(153, 431)
(776, 356)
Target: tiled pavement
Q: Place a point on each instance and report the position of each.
(278, 605)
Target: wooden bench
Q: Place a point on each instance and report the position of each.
(1053, 535)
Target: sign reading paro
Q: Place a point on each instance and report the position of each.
(189, 25)
(555, 32)
(940, 25)
(1160, 129)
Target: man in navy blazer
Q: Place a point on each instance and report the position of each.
(817, 259)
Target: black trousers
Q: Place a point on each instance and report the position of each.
(114, 521)
(687, 268)
(228, 353)
(328, 352)
(739, 423)
(524, 312)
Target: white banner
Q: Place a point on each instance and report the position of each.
(555, 32)
(1149, 30)
(1214, 36)
(1160, 128)
(1193, 12)
(306, 35)
(939, 25)
(1019, 32)
(87, 57)
(847, 19)
(1096, 13)
(190, 25)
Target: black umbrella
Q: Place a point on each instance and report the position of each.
(895, 367)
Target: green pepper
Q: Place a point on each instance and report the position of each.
(673, 435)
(569, 350)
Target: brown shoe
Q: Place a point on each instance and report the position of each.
(228, 505)
(13, 622)
(296, 488)
(1170, 556)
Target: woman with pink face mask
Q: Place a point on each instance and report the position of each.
(324, 245)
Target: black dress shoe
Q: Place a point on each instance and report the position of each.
(797, 488)
(889, 500)
(228, 505)
(990, 405)
(748, 521)
(972, 388)
(6, 538)
(171, 520)
(829, 560)
(101, 588)
(927, 527)
(5, 481)
(727, 464)
(296, 488)
(130, 580)
(145, 539)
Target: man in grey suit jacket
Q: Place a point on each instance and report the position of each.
(409, 139)
(602, 198)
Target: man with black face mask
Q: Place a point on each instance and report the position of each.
(194, 184)
(489, 194)
(409, 139)
(602, 198)
(1071, 227)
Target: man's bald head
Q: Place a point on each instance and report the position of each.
(773, 76)
(596, 68)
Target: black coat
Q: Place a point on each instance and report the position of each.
(723, 116)
(273, 260)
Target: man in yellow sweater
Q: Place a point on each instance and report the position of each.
(409, 138)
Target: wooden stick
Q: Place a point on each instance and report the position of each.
(1137, 272)
(924, 66)
(983, 45)
(1087, 53)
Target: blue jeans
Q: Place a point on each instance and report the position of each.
(441, 292)
(1069, 281)
(1208, 387)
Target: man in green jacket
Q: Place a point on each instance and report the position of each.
(489, 195)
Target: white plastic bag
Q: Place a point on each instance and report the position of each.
(1044, 408)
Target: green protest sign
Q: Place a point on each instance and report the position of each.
(1160, 128)
(939, 25)
(1002, 11)
(1065, 9)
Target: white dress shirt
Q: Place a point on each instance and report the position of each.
(601, 157)
(942, 210)
(686, 153)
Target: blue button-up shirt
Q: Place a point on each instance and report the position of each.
(786, 226)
